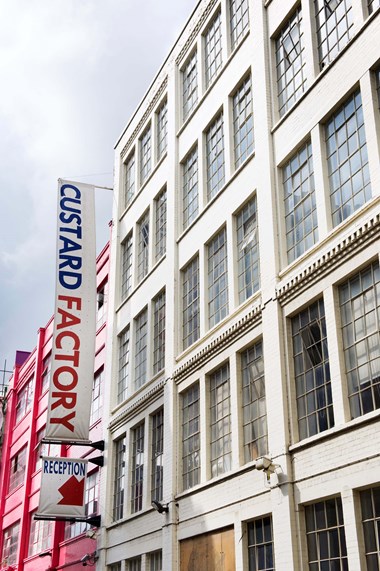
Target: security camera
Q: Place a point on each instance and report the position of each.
(84, 559)
(159, 507)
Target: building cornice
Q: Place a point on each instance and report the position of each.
(137, 405)
(145, 117)
(219, 343)
(195, 31)
(335, 256)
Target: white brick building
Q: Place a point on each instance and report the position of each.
(246, 306)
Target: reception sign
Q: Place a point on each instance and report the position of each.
(73, 352)
(62, 490)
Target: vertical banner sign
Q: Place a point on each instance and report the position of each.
(73, 352)
(62, 487)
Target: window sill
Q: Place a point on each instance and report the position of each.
(369, 418)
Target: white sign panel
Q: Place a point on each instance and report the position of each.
(62, 487)
(73, 350)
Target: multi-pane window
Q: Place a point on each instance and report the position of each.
(97, 401)
(189, 85)
(24, 399)
(123, 375)
(215, 157)
(312, 371)
(370, 507)
(119, 479)
(101, 304)
(129, 179)
(360, 318)
(190, 188)
(155, 561)
(334, 27)
(126, 266)
(73, 529)
(247, 251)
(17, 469)
(145, 155)
(290, 63)
(160, 211)
(377, 79)
(40, 536)
(260, 544)
(143, 247)
(243, 122)
(159, 307)
(217, 278)
(213, 48)
(254, 404)
(157, 477)
(220, 421)
(347, 159)
(133, 564)
(239, 21)
(372, 5)
(190, 437)
(115, 567)
(44, 449)
(326, 542)
(301, 222)
(141, 348)
(137, 468)
(190, 303)
(162, 129)
(46, 373)
(10, 544)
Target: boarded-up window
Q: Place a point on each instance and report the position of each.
(209, 552)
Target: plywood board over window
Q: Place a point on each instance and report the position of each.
(210, 552)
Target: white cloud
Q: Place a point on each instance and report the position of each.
(72, 73)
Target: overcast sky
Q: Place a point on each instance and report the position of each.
(72, 73)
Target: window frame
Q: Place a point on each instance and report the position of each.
(191, 436)
(137, 468)
(247, 250)
(342, 170)
(191, 302)
(220, 463)
(143, 245)
(162, 129)
(141, 348)
(215, 156)
(217, 278)
(213, 49)
(145, 147)
(239, 22)
(242, 119)
(159, 332)
(124, 364)
(190, 182)
(297, 63)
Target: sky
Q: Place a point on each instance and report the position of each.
(72, 73)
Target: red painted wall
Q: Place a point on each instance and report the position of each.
(18, 505)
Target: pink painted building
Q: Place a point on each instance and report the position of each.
(25, 543)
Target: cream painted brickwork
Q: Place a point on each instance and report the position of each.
(334, 464)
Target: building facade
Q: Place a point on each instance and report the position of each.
(26, 543)
(244, 371)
